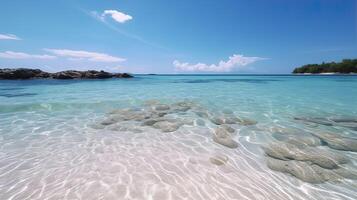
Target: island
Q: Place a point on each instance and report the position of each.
(25, 73)
(347, 66)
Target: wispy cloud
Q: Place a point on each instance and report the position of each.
(9, 37)
(99, 17)
(235, 61)
(21, 55)
(85, 55)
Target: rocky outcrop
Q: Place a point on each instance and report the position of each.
(24, 73)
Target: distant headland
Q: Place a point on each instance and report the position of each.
(25, 73)
(347, 66)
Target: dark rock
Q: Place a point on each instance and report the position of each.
(24, 73)
(344, 120)
(70, 74)
(123, 75)
(92, 74)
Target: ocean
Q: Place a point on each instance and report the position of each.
(180, 137)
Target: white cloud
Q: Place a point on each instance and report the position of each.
(9, 37)
(117, 16)
(21, 55)
(85, 55)
(235, 61)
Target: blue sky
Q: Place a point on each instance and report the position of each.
(186, 36)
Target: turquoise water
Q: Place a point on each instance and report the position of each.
(54, 146)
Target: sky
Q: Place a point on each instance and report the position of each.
(171, 36)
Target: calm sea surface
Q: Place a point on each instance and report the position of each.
(88, 139)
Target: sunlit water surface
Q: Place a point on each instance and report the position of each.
(53, 146)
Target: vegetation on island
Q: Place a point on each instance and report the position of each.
(344, 67)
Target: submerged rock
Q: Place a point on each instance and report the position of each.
(300, 139)
(223, 137)
(228, 128)
(346, 173)
(201, 113)
(247, 122)
(166, 126)
(183, 106)
(310, 173)
(200, 122)
(125, 127)
(231, 119)
(218, 160)
(344, 120)
(131, 114)
(349, 125)
(150, 122)
(219, 120)
(338, 142)
(108, 121)
(302, 170)
(123, 115)
(323, 158)
(321, 121)
(161, 107)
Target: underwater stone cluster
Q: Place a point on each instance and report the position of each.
(314, 157)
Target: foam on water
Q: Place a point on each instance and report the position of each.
(52, 148)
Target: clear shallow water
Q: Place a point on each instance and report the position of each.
(52, 147)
